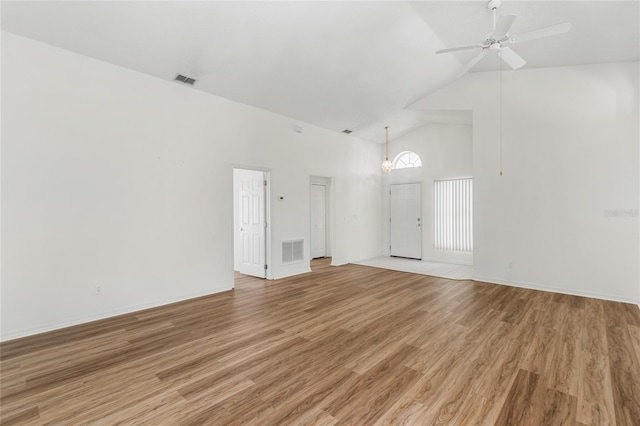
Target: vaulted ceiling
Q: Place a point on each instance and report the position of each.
(336, 64)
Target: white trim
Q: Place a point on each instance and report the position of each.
(552, 289)
(267, 217)
(105, 315)
(326, 182)
(293, 273)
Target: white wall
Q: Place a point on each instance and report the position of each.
(570, 149)
(446, 153)
(117, 179)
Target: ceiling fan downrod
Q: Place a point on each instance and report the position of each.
(493, 6)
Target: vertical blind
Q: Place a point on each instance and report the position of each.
(454, 214)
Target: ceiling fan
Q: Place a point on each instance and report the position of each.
(499, 40)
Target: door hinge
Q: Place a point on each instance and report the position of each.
(389, 219)
(389, 247)
(265, 183)
(265, 267)
(265, 224)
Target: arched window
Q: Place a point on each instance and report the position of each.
(407, 159)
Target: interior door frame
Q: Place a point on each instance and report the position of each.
(421, 216)
(267, 216)
(326, 221)
(329, 212)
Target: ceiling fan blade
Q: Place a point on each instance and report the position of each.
(511, 58)
(455, 49)
(551, 30)
(503, 26)
(472, 63)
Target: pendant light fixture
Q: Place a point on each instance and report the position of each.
(386, 164)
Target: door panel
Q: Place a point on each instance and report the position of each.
(252, 223)
(406, 220)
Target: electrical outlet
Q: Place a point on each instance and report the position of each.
(98, 289)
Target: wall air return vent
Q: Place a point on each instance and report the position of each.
(185, 79)
(292, 251)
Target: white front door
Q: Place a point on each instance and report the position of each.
(251, 210)
(318, 221)
(406, 220)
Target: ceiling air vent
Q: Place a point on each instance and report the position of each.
(185, 79)
(347, 131)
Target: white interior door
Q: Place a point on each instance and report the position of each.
(318, 220)
(251, 210)
(406, 220)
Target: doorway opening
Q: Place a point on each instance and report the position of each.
(320, 217)
(252, 233)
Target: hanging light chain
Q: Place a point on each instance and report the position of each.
(386, 164)
(386, 128)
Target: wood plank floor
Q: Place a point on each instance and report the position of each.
(349, 345)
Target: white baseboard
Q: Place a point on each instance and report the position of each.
(292, 273)
(101, 316)
(552, 289)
